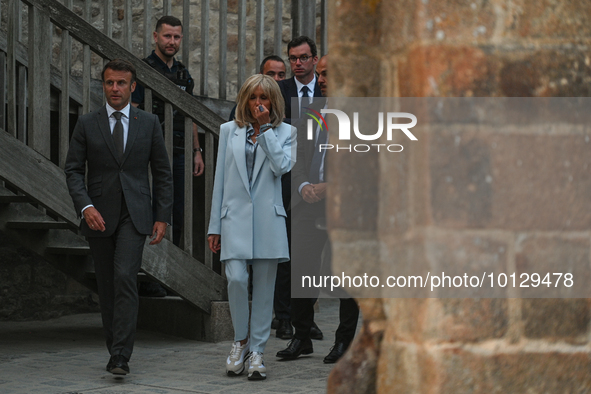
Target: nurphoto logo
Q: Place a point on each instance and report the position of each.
(344, 131)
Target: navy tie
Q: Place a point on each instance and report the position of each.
(305, 99)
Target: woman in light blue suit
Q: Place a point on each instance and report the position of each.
(248, 217)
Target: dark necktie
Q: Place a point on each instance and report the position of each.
(317, 158)
(305, 99)
(118, 134)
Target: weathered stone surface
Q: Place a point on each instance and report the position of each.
(491, 180)
(541, 182)
(556, 319)
(356, 372)
(501, 193)
(547, 260)
(440, 71)
(515, 70)
(396, 201)
(469, 320)
(460, 169)
(359, 210)
(405, 367)
(357, 23)
(461, 371)
(31, 289)
(447, 320)
(451, 21)
(569, 19)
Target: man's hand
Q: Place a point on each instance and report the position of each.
(309, 195)
(320, 190)
(214, 242)
(158, 232)
(198, 164)
(94, 219)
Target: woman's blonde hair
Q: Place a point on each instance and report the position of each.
(271, 90)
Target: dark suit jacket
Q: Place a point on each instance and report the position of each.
(109, 179)
(289, 90)
(305, 152)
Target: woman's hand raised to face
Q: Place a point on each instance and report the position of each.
(262, 114)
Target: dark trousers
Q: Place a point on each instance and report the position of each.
(307, 244)
(117, 261)
(348, 316)
(282, 297)
(178, 204)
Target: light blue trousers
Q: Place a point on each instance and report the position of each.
(263, 285)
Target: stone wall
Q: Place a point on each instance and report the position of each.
(32, 289)
(465, 195)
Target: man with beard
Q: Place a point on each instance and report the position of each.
(167, 39)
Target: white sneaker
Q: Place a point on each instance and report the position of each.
(256, 368)
(235, 361)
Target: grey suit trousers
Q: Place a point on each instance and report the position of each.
(117, 261)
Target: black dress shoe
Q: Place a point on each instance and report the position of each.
(315, 332)
(118, 365)
(296, 347)
(285, 330)
(336, 352)
(274, 323)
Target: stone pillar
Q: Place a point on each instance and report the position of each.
(465, 196)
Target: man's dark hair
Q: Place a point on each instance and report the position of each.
(274, 58)
(119, 65)
(168, 20)
(296, 42)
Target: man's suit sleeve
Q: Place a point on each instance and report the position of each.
(301, 170)
(75, 168)
(161, 175)
(299, 173)
(283, 86)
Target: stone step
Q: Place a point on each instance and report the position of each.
(68, 250)
(15, 199)
(175, 316)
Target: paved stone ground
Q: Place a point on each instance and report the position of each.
(67, 355)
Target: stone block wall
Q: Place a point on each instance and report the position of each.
(32, 289)
(517, 199)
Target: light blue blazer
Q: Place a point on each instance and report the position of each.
(251, 219)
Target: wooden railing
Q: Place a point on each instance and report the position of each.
(30, 120)
(34, 78)
(246, 23)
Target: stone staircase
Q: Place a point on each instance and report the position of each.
(35, 212)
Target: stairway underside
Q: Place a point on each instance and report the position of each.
(36, 210)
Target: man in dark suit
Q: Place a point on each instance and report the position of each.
(118, 143)
(303, 56)
(309, 210)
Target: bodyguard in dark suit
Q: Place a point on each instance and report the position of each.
(308, 210)
(303, 56)
(118, 143)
